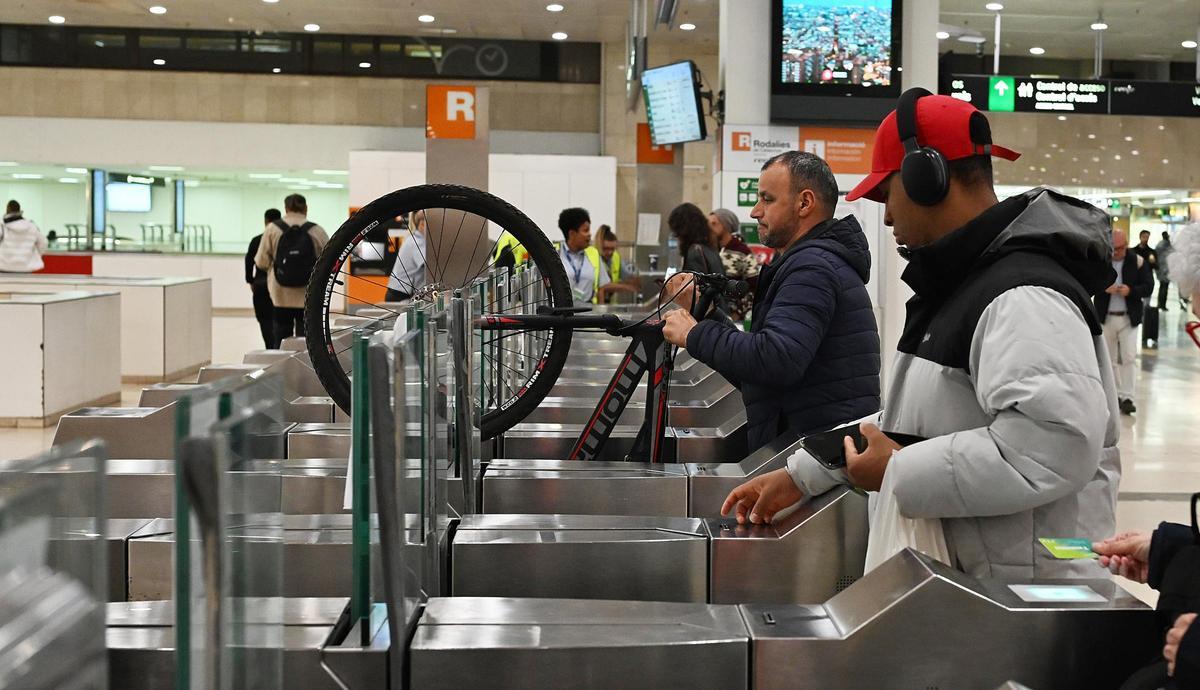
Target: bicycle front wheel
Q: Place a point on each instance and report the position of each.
(450, 226)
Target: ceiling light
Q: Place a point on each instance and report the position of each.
(26, 176)
(70, 180)
(158, 9)
(275, 70)
(271, 2)
(554, 7)
(330, 172)
(1188, 44)
(970, 38)
(1128, 138)
(1133, 152)
(1166, 160)
(1091, 136)
(300, 187)
(264, 176)
(1167, 200)
(196, 183)
(1099, 25)
(1161, 128)
(1062, 118)
(77, 171)
(364, 65)
(57, 19)
(1117, 157)
(1047, 155)
(687, 27)
(292, 180)
(167, 168)
(1037, 51)
(942, 35)
(7, 164)
(993, 7)
(558, 36)
(312, 27)
(160, 62)
(426, 18)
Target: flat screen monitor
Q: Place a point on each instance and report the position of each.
(673, 104)
(127, 197)
(828, 50)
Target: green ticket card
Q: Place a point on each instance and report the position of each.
(1069, 548)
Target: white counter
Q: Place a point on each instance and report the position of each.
(226, 273)
(166, 323)
(60, 351)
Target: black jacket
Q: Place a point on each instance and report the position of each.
(254, 275)
(811, 358)
(1140, 280)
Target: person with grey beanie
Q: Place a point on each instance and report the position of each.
(724, 226)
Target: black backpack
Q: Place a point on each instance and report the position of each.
(295, 255)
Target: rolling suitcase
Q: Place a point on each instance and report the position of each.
(1150, 327)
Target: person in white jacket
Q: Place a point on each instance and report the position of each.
(21, 242)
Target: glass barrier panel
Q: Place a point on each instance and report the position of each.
(53, 569)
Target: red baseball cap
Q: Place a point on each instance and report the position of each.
(943, 123)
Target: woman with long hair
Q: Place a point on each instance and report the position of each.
(690, 227)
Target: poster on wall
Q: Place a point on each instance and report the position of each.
(747, 147)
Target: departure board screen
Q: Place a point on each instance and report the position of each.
(673, 104)
(836, 42)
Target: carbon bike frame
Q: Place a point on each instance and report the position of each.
(647, 351)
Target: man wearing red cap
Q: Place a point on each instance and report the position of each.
(1001, 366)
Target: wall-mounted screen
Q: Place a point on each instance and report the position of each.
(127, 197)
(673, 110)
(830, 49)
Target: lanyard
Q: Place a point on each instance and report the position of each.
(577, 269)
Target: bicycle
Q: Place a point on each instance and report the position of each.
(547, 320)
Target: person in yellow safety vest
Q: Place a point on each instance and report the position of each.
(579, 258)
(517, 254)
(622, 276)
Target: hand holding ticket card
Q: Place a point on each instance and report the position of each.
(1069, 549)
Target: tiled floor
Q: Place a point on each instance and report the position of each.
(1160, 452)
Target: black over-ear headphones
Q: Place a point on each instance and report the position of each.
(924, 171)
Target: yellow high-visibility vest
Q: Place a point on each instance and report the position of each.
(508, 241)
(593, 257)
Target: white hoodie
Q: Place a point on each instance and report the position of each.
(21, 245)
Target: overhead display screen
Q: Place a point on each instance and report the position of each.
(836, 42)
(673, 104)
(127, 197)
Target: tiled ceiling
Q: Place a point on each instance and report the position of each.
(1139, 29)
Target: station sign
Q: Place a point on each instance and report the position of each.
(1029, 95)
(1084, 96)
(130, 178)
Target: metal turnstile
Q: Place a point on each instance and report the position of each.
(917, 623)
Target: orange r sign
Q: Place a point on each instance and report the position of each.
(449, 112)
(647, 152)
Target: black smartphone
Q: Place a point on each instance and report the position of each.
(827, 446)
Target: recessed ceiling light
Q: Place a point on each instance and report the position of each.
(364, 65)
(321, 171)
(158, 9)
(1047, 155)
(993, 7)
(554, 7)
(1062, 118)
(26, 176)
(1117, 157)
(1134, 152)
(264, 176)
(196, 183)
(942, 35)
(167, 168)
(1099, 26)
(57, 19)
(160, 62)
(1166, 160)
(7, 164)
(426, 18)
(1161, 127)
(312, 27)
(1091, 136)
(77, 171)
(70, 180)
(275, 70)
(687, 27)
(1037, 51)
(1188, 44)
(558, 36)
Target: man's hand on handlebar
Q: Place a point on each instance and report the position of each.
(677, 323)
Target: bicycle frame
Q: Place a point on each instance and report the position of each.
(647, 352)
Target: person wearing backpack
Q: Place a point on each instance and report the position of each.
(287, 252)
(21, 242)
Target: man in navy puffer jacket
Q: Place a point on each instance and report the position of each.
(811, 358)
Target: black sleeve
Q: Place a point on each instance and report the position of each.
(693, 261)
(1187, 660)
(1145, 280)
(1168, 539)
(250, 254)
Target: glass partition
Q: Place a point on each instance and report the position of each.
(53, 570)
(229, 548)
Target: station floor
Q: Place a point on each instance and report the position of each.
(1160, 450)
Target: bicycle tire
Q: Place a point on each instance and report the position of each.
(322, 287)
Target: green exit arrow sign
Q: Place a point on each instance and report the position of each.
(1002, 94)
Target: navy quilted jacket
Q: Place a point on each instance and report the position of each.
(811, 358)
